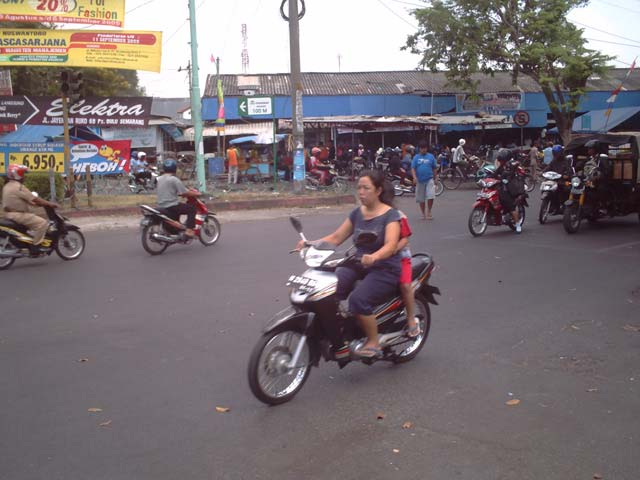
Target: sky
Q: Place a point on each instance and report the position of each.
(335, 35)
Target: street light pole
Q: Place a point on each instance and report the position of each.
(296, 92)
(196, 105)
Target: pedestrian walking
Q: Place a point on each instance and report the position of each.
(424, 169)
(232, 158)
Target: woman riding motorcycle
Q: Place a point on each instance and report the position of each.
(507, 198)
(380, 265)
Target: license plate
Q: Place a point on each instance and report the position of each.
(305, 284)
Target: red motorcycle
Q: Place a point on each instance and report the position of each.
(159, 230)
(487, 210)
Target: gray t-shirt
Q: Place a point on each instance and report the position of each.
(378, 226)
(169, 187)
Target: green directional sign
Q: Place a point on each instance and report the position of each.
(255, 106)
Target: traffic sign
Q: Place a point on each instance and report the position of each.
(521, 118)
(255, 106)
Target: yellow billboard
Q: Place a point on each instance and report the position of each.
(90, 12)
(129, 50)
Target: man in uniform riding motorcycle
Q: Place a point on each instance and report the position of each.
(170, 188)
(16, 200)
(505, 171)
(559, 162)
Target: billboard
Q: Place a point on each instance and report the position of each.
(102, 157)
(129, 50)
(90, 12)
(90, 112)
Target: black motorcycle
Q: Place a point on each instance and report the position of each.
(295, 340)
(62, 236)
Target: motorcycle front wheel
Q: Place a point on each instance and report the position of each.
(151, 246)
(571, 219)
(478, 221)
(70, 245)
(545, 206)
(210, 231)
(271, 379)
(439, 188)
(397, 188)
(408, 350)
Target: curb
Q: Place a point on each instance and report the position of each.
(228, 205)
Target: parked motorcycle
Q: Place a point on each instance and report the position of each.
(335, 182)
(404, 184)
(295, 340)
(62, 236)
(159, 230)
(487, 210)
(554, 192)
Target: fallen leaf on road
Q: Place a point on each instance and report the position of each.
(223, 409)
(407, 425)
(380, 416)
(631, 328)
(94, 410)
(82, 360)
(597, 476)
(513, 402)
(575, 327)
(395, 450)
(592, 390)
(105, 424)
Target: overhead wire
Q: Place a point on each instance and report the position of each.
(604, 31)
(397, 15)
(619, 6)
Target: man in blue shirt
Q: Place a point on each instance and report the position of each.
(424, 168)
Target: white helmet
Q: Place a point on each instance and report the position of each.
(141, 155)
(461, 142)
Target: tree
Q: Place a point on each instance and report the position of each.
(531, 37)
(99, 82)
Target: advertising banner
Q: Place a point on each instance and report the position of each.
(90, 12)
(129, 50)
(490, 102)
(90, 112)
(103, 157)
(140, 137)
(5, 89)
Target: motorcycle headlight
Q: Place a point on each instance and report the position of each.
(575, 182)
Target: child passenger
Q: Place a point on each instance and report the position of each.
(413, 323)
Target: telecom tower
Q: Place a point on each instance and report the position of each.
(245, 51)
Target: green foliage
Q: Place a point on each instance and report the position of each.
(531, 37)
(39, 182)
(99, 82)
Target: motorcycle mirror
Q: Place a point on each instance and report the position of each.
(296, 224)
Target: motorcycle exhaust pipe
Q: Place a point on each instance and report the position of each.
(162, 238)
(4, 254)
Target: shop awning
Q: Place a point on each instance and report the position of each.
(262, 139)
(595, 121)
(234, 129)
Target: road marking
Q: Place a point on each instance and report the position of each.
(615, 247)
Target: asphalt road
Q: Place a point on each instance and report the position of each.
(156, 343)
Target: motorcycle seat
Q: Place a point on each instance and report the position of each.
(5, 222)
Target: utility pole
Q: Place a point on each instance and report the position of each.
(196, 105)
(218, 149)
(296, 92)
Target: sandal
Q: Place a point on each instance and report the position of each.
(368, 352)
(414, 331)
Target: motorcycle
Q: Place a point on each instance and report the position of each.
(554, 192)
(583, 202)
(487, 210)
(403, 183)
(62, 236)
(159, 230)
(295, 340)
(140, 185)
(335, 182)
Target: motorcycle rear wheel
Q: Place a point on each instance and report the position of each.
(545, 206)
(529, 183)
(412, 348)
(70, 245)
(151, 246)
(270, 380)
(6, 262)
(477, 226)
(210, 231)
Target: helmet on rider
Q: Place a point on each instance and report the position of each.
(316, 151)
(17, 172)
(461, 142)
(557, 149)
(504, 155)
(141, 155)
(170, 165)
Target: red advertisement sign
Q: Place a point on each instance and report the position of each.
(104, 157)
